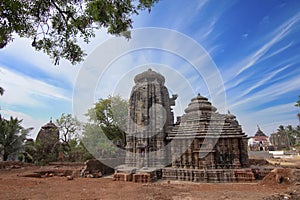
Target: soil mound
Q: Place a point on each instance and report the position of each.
(284, 176)
(278, 176)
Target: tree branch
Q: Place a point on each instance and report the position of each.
(62, 13)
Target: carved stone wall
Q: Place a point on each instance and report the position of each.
(207, 140)
(150, 117)
(204, 145)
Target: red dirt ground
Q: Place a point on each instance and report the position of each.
(14, 186)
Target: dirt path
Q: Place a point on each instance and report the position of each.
(14, 186)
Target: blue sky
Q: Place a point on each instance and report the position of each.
(254, 44)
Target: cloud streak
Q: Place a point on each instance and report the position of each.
(270, 93)
(22, 90)
(277, 35)
(264, 80)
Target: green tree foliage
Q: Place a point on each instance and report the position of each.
(71, 145)
(76, 151)
(298, 105)
(292, 133)
(298, 102)
(97, 142)
(29, 151)
(104, 135)
(12, 136)
(42, 156)
(55, 26)
(111, 116)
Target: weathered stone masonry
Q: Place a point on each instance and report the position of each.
(150, 118)
(203, 146)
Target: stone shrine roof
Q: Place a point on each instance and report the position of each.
(49, 125)
(150, 76)
(230, 116)
(201, 120)
(48, 135)
(200, 103)
(259, 133)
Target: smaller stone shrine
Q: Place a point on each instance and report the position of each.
(207, 146)
(48, 137)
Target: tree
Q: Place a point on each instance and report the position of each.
(281, 128)
(298, 102)
(111, 116)
(29, 151)
(12, 136)
(289, 133)
(297, 129)
(1, 91)
(97, 143)
(104, 134)
(55, 26)
(68, 127)
(78, 152)
(298, 105)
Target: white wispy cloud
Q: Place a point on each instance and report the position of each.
(39, 60)
(273, 126)
(201, 5)
(237, 77)
(277, 35)
(278, 51)
(265, 20)
(23, 90)
(270, 93)
(264, 80)
(183, 19)
(210, 28)
(268, 118)
(207, 33)
(278, 110)
(252, 75)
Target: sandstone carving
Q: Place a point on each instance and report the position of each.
(202, 146)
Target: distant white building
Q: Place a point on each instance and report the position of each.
(259, 142)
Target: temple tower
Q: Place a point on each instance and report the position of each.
(202, 146)
(150, 119)
(48, 138)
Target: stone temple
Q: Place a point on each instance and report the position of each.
(150, 121)
(202, 146)
(48, 137)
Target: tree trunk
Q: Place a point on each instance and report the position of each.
(5, 157)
